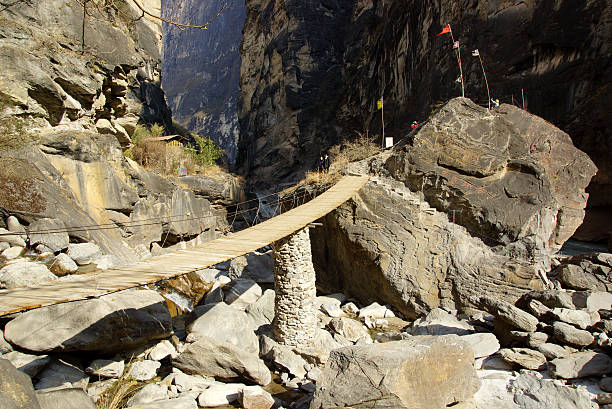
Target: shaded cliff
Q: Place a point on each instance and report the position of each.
(201, 69)
(313, 70)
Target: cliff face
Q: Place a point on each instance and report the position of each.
(108, 80)
(313, 70)
(68, 107)
(201, 69)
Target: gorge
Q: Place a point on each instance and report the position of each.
(440, 284)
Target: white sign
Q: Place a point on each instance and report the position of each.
(388, 141)
(182, 171)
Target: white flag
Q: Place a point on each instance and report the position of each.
(475, 53)
(456, 44)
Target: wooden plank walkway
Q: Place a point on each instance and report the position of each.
(183, 261)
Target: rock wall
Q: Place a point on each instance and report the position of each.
(68, 105)
(313, 71)
(201, 69)
(106, 81)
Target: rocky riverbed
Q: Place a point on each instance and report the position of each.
(550, 348)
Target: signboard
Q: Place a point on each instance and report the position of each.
(182, 171)
(388, 141)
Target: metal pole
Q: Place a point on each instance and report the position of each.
(382, 118)
(459, 60)
(523, 96)
(485, 76)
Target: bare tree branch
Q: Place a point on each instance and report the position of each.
(204, 26)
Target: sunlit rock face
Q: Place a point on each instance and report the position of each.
(313, 70)
(201, 68)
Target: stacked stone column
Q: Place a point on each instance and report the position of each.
(295, 319)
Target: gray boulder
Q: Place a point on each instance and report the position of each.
(69, 398)
(508, 313)
(182, 402)
(553, 351)
(12, 239)
(256, 266)
(50, 233)
(550, 298)
(84, 253)
(11, 253)
(262, 310)
(4, 346)
(149, 393)
(106, 368)
(532, 392)
(570, 335)
(112, 322)
(63, 264)
(399, 374)
(483, 344)
(349, 328)
(580, 318)
(241, 293)
(13, 224)
(581, 365)
(27, 363)
(23, 273)
(523, 357)
(440, 322)
(224, 324)
(593, 300)
(144, 370)
(16, 390)
(222, 360)
(62, 374)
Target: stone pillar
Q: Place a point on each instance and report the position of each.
(295, 318)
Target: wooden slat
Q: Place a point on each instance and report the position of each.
(181, 261)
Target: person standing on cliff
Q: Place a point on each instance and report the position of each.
(326, 163)
(321, 164)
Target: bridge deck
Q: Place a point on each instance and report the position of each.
(183, 261)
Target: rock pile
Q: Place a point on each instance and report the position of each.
(225, 353)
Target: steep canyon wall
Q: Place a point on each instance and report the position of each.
(201, 68)
(313, 70)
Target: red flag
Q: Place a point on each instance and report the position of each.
(445, 30)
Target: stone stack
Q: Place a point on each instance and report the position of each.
(294, 284)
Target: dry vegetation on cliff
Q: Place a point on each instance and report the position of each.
(166, 158)
(341, 155)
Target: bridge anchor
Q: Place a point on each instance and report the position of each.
(295, 318)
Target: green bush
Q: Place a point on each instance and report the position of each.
(206, 153)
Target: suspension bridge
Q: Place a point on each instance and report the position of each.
(176, 263)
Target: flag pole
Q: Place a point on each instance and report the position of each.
(485, 77)
(382, 119)
(458, 59)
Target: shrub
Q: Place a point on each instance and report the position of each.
(168, 157)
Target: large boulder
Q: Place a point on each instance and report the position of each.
(505, 173)
(49, 232)
(222, 360)
(112, 322)
(390, 262)
(488, 191)
(586, 272)
(224, 324)
(399, 374)
(22, 273)
(581, 365)
(69, 398)
(60, 374)
(16, 390)
(531, 391)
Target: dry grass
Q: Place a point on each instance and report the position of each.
(341, 155)
(166, 158)
(118, 395)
